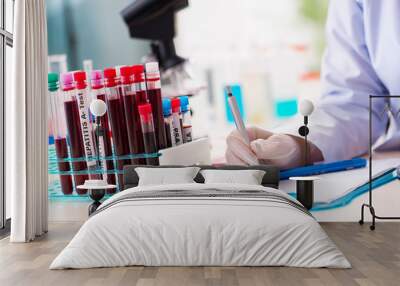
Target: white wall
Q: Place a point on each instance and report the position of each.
(92, 29)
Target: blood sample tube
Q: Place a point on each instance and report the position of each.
(98, 92)
(74, 130)
(139, 84)
(177, 138)
(118, 81)
(149, 136)
(153, 84)
(83, 99)
(57, 117)
(117, 119)
(167, 111)
(186, 119)
(131, 113)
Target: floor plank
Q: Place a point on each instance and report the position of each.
(375, 257)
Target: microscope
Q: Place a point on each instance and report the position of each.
(154, 20)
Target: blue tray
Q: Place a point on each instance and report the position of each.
(323, 168)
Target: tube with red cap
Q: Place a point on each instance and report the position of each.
(149, 136)
(98, 92)
(117, 119)
(139, 83)
(177, 138)
(132, 118)
(153, 84)
(83, 99)
(74, 130)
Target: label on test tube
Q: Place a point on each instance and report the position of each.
(177, 138)
(187, 133)
(102, 153)
(86, 126)
(169, 130)
(84, 116)
(186, 119)
(176, 130)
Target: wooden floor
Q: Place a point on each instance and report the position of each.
(375, 257)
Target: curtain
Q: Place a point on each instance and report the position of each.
(26, 123)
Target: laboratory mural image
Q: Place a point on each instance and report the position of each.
(190, 142)
(165, 98)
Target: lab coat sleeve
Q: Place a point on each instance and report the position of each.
(339, 124)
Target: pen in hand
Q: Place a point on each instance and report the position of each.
(237, 116)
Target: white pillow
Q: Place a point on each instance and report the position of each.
(247, 177)
(166, 176)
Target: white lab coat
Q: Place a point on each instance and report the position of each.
(362, 58)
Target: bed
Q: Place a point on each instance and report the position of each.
(198, 224)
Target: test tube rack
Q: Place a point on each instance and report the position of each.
(196, 152)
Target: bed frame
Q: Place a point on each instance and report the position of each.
(270, 179)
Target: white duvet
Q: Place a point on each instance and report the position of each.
(200, 231)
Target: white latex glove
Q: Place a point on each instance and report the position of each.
(265, 148)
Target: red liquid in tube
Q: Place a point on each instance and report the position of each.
(83, 99)
(117, 119)
(57, 117)
(104, 121)
(75, 140)
(98, 92)
(149, 136)
(62, 152)
(131, 113)
(139, 84)
(74, 131)
(153, 84)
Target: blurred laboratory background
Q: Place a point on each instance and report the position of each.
(268, 51)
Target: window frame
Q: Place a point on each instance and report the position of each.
(6, 39)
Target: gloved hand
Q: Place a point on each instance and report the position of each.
(280, 150)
